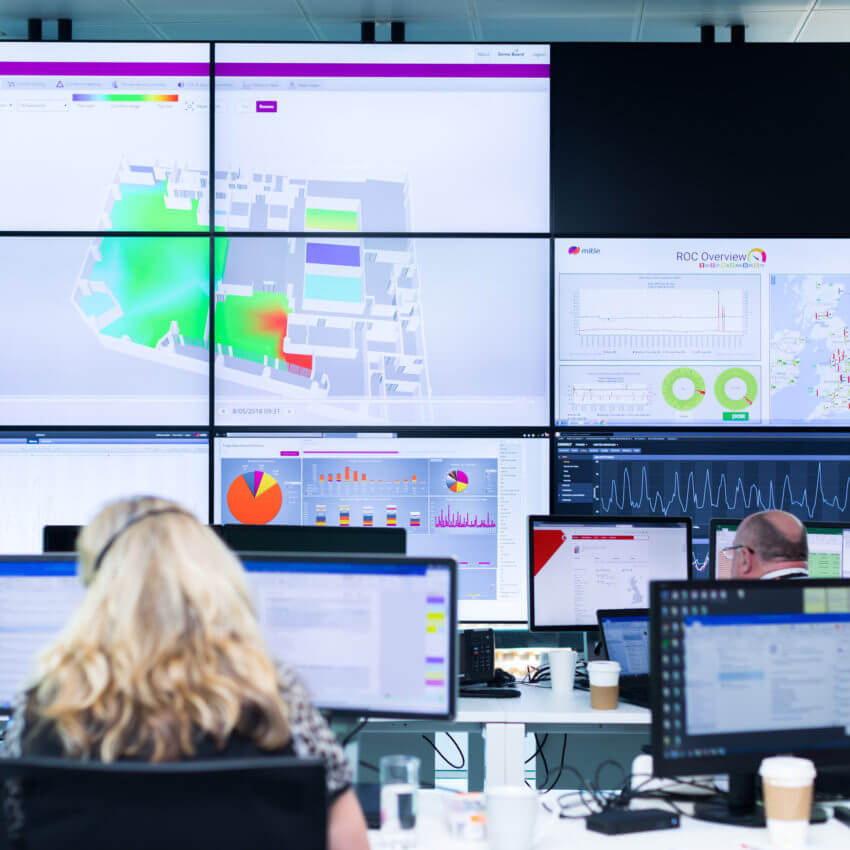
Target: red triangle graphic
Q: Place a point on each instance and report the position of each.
(546, 541)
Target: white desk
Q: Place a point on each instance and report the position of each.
(692, 835)
(505, 723)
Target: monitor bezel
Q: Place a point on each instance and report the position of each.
(716, 522)
(389, 561)
(566, 519)
(736, 763)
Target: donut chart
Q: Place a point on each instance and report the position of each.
(750, 389)
(254, 498)
(676, 380)
(457, 481)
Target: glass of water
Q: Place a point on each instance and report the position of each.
(399, 791)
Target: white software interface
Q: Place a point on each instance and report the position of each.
(465, 498)
(580, 568)
(627, 640)
(702, 332)
(382, 331)
(105, 331)
(829, 551)
(65, 479)
(382, 137)
(36, 600)
(766, 673)
(104, 136)
(362, 636)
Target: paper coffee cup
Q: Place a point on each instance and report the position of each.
(511, 817)
(562, 669)
(787, 789)
(604, 679)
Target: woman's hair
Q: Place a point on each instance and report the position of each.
(164, 646)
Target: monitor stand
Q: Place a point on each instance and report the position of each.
(739, 807)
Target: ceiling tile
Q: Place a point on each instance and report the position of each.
(563, 29)
(135, 31)
(760, 27)
(829, 25)
(553, 9)
(191, 10)
(100, 12)
(833, 4)
(386, 10)
(711, 10)
(239, 28)
(459, 29)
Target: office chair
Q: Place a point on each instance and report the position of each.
(265, 803)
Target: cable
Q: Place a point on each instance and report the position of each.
(457, 747)
(369, 766)
(561, 769)
(354, 731)
(540, 745)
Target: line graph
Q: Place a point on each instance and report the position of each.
(447, 518)
(727, 493)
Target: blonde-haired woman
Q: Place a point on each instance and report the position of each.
(164, 660)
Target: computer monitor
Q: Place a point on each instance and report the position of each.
(289, 110)
(301, 538)
(722, 333)
(829, 548)
(625, 638)
(130, 315)
(368, 634)
(64, 477)
(701, 474)
(741, 670)
(367, 331)
(578, 565)
(464, 497)
(133, 122)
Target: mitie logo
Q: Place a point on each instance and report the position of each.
(754, 258)
(577, 249)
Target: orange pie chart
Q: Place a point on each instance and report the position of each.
(254, 498)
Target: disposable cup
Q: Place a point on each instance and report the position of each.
(787, 789)
(562, 669)
(604, 679)
(511, 817)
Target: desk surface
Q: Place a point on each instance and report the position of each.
(693, 835)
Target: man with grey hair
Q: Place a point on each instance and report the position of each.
(770, 545)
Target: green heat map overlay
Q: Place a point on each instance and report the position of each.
(156, 281)
(254, 325)
(316, 219)
(143, 208)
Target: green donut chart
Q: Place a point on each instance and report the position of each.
(736, 403)
(683, 404)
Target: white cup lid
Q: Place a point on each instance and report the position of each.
(604, 666)
(784, 769)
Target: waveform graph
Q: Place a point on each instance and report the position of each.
(630, 316)
(463, 516)
(810, 488)
(447, 518)
(254, 498)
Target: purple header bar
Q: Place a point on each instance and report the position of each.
(105, 69)
(380, 69)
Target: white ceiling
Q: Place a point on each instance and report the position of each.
(436, 20)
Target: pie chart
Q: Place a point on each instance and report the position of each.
(254, 498)
(457, 481)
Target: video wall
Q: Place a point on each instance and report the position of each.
(332, 284)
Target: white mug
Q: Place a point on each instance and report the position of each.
(562, 669)
(512, 815)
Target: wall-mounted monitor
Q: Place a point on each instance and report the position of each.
(109, 330)
(104, 136)
(378, 331)
(387, 138)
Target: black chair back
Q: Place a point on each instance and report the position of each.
(266, 803)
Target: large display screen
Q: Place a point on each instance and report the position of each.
(64, 478)
(686, 332)
(464, 498)
(374, 331)
(702, 475)
(105, 331)
(384, 138)
(104, 136)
